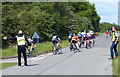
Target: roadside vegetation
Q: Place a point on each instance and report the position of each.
(116, 64)
(41, 47)
(6, 65)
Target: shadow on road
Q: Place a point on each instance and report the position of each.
(30, 65)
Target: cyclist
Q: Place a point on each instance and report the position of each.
(55, 40)
(93, 36)
(90, 39)
(75, 42)
(85, 39)
(80, 35)
(70, 36)
(29, 44)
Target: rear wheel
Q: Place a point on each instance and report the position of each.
(34, 50)
(89, 44)
(71, 47)
(93, 42)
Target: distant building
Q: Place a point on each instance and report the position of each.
(119, 13)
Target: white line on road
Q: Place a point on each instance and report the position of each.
(40, 57)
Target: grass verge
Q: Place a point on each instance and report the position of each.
(42, 47)
(6, 65)
(116, 64)
(119, 59)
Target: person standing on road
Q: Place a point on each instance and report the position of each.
(110, 32)
(107, 33)
(21, 41)
(115, 42)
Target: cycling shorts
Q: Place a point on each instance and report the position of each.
(69, 39)
(74, 41)
(80, 38)
(54, 42)
(85, 38)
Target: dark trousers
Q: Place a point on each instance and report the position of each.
(114, 47)
(21, 49)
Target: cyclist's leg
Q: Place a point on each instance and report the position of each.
(69, 41)
(54, 45)
(77, 45)
(86, 43)
(71, 44)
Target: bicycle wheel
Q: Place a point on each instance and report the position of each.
(54, 51)
(34, 50)
(80, 44)
(74, 48)
(60, 50)
(71, 47)
(27, 52)
(89, 44)
(86, 44)
(93, 42)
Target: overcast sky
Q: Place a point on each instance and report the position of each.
(107, 9)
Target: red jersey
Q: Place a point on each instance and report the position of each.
(106, 32)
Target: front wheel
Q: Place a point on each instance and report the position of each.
(60, 50)
(54, 51)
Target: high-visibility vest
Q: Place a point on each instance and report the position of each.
(21, 40)
(113, 36)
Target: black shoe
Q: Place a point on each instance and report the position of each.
(19, 64)
(110, 58)
(26, 64)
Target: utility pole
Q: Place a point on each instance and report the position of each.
(119, 13)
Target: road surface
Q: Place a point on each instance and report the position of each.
(93, 61)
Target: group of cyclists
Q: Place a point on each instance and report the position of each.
(76, 41)
(82, 38)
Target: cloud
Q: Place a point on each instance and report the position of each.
(107, 9)
(110, 18)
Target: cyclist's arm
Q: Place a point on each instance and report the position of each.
(59, 40)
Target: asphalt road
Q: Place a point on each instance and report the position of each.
(93, 61)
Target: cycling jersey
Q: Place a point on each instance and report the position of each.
(85, 38)
(106, 32)
(70, 35)
(55, 38)
(90, 37)
(75, 38)
(80, 35)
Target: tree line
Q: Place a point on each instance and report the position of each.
(106, 26)
(48, 18)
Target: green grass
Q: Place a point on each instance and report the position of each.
(47, 46)
(9, 52)
(119, 58)
(116, 64)
(42, 47)
(6, 65)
